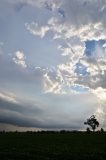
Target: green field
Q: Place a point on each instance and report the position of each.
(52, 146)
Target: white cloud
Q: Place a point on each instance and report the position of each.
(104, 45)
(19, 55)
(74, 38)
(67, 30)
(100, 111)
(65, 51)
(100, 114)
(83, 21)
(20, 59)
(51, 86)
(100, 93)
(34, 29)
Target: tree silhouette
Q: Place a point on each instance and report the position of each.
(88, 130)
(102, 130)
(92, 122)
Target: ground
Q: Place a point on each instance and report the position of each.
(53, 146)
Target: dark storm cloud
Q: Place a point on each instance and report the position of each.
(24, 108)
(41, 115)
(19, 113)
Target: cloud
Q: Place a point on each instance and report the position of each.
(95, 65)
(36, 30)
(101, 93)
(16, 111)
(71, 25)
(45, 115)
(1, 47)
(29, 79)
(51, 85)
(20, 59)
(80, 12)
(49, 4)
(66, 30)
(101, 109)
(83, 21)
(8, 97)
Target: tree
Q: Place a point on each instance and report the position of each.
(102, 130)
(88, 130)
(92, 122)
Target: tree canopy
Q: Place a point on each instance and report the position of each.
(92, 122)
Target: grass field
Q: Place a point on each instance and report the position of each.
(52, 146)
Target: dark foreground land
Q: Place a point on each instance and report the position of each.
(52, 146)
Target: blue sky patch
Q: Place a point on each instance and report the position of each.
(79, 88)
(90, 46)
(81, 70)
(61, 12)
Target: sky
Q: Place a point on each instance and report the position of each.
(52, 64)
